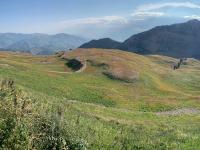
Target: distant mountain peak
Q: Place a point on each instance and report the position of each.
(106, 43)
(107, 39)
(39, 43)
(193, 21)
(176, 40)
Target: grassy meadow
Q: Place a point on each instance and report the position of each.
(120, 100)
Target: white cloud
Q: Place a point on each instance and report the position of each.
(107, 25)
(192, 17)
(150, 7)
(106, 20)
(153, 9)
(90, 27)
(147, 14)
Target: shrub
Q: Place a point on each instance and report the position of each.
(22, 128)
(74, 64)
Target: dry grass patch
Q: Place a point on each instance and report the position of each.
(113, 65)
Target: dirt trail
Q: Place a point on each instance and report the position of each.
(60, 72)
(183, 111)
(5, 65)
(82, 68)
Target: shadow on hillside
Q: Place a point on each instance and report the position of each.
(74, 64)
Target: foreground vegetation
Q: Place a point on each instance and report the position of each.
(44, 105)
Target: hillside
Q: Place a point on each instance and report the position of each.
(177, 40)
(39, 43)
(105, 43)
(114, 100)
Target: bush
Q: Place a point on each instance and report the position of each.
(21, 128)
(74, 64)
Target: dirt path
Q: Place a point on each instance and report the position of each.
(82, 68)
(5, 65)
(183, 111)
(60, 72)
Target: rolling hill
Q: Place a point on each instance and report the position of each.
(39, 43)
(116, 99)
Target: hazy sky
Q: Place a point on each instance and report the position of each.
(117, 19)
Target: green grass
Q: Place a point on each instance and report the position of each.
(105, 113)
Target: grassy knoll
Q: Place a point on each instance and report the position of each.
(102, 112)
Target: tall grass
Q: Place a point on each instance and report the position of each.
(60, 125)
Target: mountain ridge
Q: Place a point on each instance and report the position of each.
(39, 42)
(106, 43)
(176, 40)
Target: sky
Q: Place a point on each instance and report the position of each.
(117, 19)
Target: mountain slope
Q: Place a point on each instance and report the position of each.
(105, 43)
(85, 107)
(7, 39)
(178, 40)
(39, 43)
